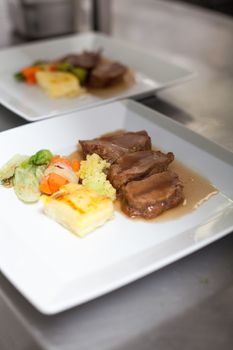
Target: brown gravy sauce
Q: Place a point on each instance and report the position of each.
(127, 82)
(76, 154)
(197, 190)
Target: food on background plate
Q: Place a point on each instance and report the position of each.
(86, 60)
(59, 84)
(75, 74)
(78, 208)
(107, 74)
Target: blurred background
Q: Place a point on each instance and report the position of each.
(192, 299)
(224, 6)
(22, 20)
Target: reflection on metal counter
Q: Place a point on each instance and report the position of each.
(42, 18)
(35, 19)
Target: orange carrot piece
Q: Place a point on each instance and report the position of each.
(55, 181)
(55, 159)
(31, 80)
(62, 160)
(66, 161)
(44, 186)
(30, 74)
(29, 71)
(75, 165)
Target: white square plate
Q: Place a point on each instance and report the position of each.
(54, 269)
(30, 102)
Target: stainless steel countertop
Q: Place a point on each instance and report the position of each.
(189, 303)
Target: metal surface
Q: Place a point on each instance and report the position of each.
(101, 15)
(187, 305)
(40, 19)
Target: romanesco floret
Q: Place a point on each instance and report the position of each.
(93, 176)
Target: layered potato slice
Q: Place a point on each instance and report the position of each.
(59, 84)
(79, 209)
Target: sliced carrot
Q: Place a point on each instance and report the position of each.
(31, 80)
(62, 160)
(66, 161)
(75, 165)
(44, 186)
(55, 159)
(30, 74)
(55, 181)
(29, 71)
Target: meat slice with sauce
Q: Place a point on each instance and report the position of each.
(86, 59)
(137, 165)
(113, 146)
(152, 196)
(106, 74)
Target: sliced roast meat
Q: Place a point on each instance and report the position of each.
(152, 196)
(106, 150)
(135, 166)
(131, 140)
(113, 146)
(86, 59)
(106, 74)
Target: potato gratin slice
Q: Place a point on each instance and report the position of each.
(59, 84)
(79, 209)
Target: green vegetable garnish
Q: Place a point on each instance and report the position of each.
(25, 174)
(39, 62)
(25, 164)
(40, 172)
(19, 76)
(93, 176)
(26, 184)
(80, 73)
(65, 67)
(8, 169)
(41, 157)
(101, 185)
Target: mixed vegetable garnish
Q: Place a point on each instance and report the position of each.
(29, 74)
(45, 173)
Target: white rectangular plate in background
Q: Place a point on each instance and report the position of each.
(54, 269)
(30, 102)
